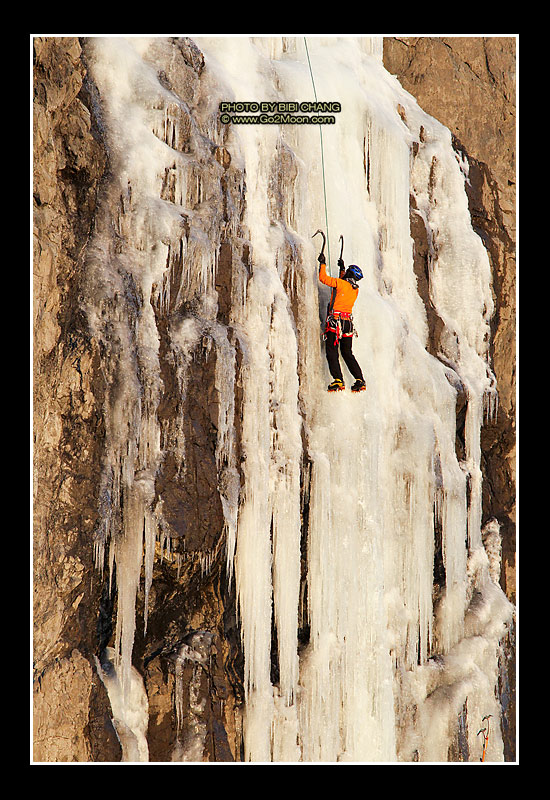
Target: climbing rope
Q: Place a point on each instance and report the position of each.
(322, 154)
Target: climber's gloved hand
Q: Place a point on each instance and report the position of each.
(341, 263)
(321, 258)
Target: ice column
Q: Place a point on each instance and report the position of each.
(267, 560)
(129, 706)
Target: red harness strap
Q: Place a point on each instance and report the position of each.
(334, 325)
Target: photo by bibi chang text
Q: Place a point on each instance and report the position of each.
(279, 113)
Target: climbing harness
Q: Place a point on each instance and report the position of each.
(341, 324)
(322, 152)
(485, 731)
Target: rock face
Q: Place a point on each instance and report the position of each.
(70, 705)
(191, 659)
(73, 607)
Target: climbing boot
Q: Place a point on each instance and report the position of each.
(359, 386)
(337, 385)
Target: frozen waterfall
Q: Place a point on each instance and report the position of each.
(388, 668)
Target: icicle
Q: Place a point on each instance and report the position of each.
(384, 470)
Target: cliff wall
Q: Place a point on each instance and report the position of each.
(468, 84)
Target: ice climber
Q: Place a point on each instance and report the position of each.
(339, 330)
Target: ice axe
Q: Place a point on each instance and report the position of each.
(324, 241)
(341, 254)
(485, 731)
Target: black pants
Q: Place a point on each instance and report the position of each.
(349, 359)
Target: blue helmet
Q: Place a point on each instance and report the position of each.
(355, 272)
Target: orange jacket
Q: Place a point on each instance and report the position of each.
(343, 295)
